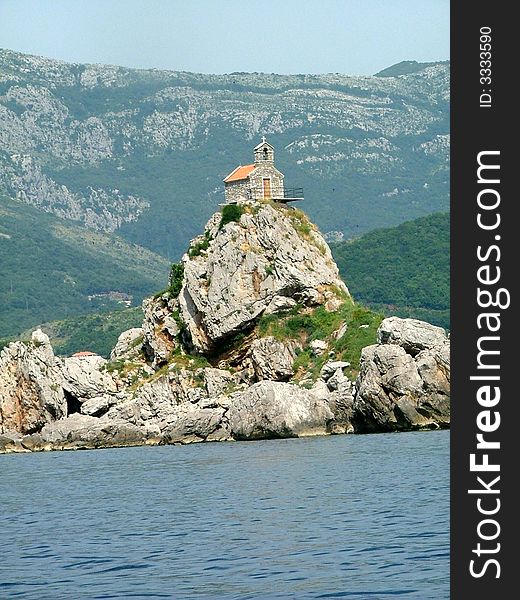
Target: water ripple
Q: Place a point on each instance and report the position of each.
(338, 517)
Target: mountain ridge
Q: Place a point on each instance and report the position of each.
(143, 152)
(405, 67)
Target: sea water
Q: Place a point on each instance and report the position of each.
(356, 516)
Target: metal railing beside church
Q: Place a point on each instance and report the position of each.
(277, 194)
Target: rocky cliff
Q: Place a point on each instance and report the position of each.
(268, 261)
(256, 336)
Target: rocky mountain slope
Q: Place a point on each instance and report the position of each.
(143, 153)
(256, 336)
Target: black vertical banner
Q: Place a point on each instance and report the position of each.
(485, 262)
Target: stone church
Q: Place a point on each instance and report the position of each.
(260, 180)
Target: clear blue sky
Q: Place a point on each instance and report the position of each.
(221, 36)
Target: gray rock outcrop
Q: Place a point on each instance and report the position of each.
(279, 304)
(98, 405)
(319, 347)
(194, 423)
(410, 334)
(31, 393)
(159, 329)
(399, 387)
(127, 342)
(218, 382)
(154, 406)
(341, 400)
(275, 409)
(270, 253)
(206, 365)
(272, 359)
(331, 367)
(82, 431)
(404, 382)
(85, 377)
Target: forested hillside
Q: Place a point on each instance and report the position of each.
(403, 270)
(51, 269)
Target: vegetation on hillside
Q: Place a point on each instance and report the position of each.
(369, 151)
(403, 271)
(95, 332)
(53, 270)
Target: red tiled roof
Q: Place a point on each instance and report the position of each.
(85, 353)
(241, 172)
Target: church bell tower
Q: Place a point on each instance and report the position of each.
(264, 153)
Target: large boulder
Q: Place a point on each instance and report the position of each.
(127, 342)
(86, 377)
(340, 398)
(331, 367)
(99, 405)
(82, 431)
(271, 253)
(270, 409)
(404, 382)
(218, 381)
(272, 359)
(411, 334)
(10, 441)
(197, 423)
(31, 392)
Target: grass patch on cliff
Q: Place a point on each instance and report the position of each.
(314, 324)
(182, 360)
(124, 367)
(361, 331)
(176, 279)
(305, 228)
(200, 245)
(301, 223)
(306, 325)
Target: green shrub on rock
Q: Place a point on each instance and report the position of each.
(176, 278)
(200, 245)
(231, 212)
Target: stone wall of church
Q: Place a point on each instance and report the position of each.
(235, 190)
(264, 171)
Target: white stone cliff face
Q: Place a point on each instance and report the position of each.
(394, 391)
(404, 380)
(31, 392)
(248, 265)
